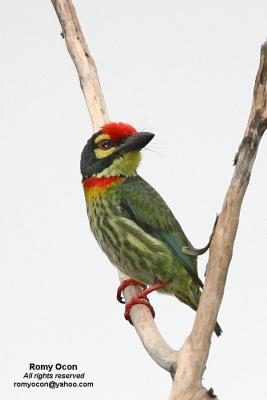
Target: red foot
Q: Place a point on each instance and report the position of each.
(125, 284)
(137, 300)
(142, 299)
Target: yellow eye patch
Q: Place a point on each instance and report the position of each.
(102, 137)
(100, 153)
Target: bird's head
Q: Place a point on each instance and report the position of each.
(113, 151)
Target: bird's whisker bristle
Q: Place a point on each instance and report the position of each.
(155, 152)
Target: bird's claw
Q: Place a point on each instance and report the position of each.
(140, 298)
(124, 285)
(134, 301)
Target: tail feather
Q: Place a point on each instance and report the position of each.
(190, 303)
(218, 329)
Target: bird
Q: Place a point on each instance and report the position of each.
(131, 222)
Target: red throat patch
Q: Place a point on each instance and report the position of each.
(103, 182)
(117, 130)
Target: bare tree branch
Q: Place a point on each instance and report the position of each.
(84, 63)
(142, 320)
(194, 353)
(187, 365)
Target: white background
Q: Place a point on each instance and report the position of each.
(185, 71)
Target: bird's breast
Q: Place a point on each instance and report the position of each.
(95, 187)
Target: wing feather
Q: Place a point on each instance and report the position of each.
(143, 205)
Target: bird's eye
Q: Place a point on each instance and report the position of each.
(105, 144)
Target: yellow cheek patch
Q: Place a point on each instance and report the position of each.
(125, 165)
(101, 137)
(100, 153)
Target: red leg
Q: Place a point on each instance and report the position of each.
(124, 284)
(141, 299)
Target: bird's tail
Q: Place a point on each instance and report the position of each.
(194, 305)
(218, 329)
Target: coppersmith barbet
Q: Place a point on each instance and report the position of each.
(131, 222)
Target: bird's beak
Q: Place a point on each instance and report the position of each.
(136, 142)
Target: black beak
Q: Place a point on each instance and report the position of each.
(136, 142)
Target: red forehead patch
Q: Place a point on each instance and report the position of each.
(117, 130)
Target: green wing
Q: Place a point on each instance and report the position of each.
(143, 205)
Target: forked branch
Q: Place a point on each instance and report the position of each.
(187, 365)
